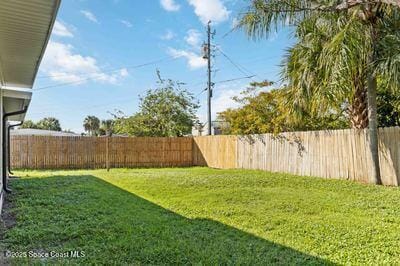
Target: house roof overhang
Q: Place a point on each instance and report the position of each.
(16, 99)
(25, 28)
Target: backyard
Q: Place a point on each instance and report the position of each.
(200, 215)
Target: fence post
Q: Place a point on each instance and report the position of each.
(108, 153)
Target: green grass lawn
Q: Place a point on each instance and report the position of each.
(202, 216)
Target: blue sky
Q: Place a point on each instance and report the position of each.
(90, 65)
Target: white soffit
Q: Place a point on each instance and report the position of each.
(15, 99)
(25, 27)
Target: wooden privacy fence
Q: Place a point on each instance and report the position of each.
(215, 151)
(340, 154)
(48, 152)
(328, 154)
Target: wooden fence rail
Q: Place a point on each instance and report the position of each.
(328, 154)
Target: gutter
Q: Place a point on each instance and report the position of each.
(9, 146)
(4, 150)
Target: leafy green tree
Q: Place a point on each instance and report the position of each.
(167, 111)
(263, 111)
(49, 123)
(365, 45)
(29, 124)
(388, 108)
(91, 124)
(134, 125)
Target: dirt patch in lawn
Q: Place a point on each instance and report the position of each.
(8, 218)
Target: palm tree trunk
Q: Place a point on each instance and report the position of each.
(372, 107)
(373, 130)
(358, 111)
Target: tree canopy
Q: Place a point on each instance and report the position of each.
(29, 124)
(265, 111)
(47, 123)
(167, 111)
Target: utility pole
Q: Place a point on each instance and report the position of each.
(207, 55)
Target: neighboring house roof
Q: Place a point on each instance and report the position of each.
(25, 28)
(40, 132)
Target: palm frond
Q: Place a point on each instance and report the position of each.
(388, 53)
(266, 16)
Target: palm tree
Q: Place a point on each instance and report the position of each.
(361, 42)
(107, 126)
(87, 124)
(307, 91)
(91, 124)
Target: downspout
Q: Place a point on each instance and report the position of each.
(9, 146)
(4, 170)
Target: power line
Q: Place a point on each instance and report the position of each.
(233, 63)
(100, 77)
(124, 100)
(201, 92)
(258, 59)
(242, 69)
(132, 67)
(107, 71)
(86, 108)
(225, 81)
(235, 79)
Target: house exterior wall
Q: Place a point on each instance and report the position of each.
(2, 192)
(28, 27)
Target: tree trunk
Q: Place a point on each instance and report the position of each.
(373, 130)
(358, 110)
(372, 105)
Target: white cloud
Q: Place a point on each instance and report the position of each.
(224, 100)
(194, 60)
(124, 72)
(168, 35)
(207, 10)
(64, 65)
(170, 5)
(221, 100)
(193, 38)
(60, 29)
(89, 15)
(127, 23)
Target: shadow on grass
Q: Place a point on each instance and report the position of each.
(111, 225)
